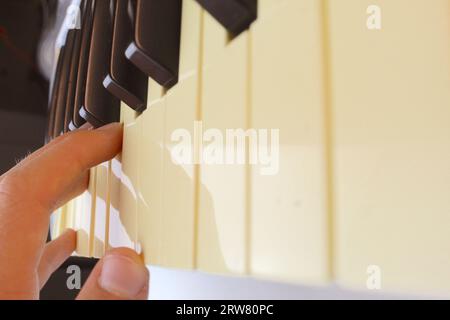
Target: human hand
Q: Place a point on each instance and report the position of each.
(36, 187)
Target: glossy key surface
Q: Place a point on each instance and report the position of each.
(156, 47)
(100, 107)
(86, 31)
(234, 15)
(124, 80)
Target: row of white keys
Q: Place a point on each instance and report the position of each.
(236, 219)
(230, 238)
(152, 199)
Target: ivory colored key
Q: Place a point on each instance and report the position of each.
(125, 81)
(122, 217)
(117, 233)
(391, 111)
(85, 208)
(70, 215)
(222, 217)
(150, 164)
(102, 209)
(289, 197)
(156, 47)
(57, 219)
(179, 178)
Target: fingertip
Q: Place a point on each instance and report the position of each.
(69, 238)
(124, 274)
(69, 232)
(126, 252)
(111, 127)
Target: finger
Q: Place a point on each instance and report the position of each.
(63, 162)
(54, 255)
(120, 275)
(79, 186)
(29, 192)
(49, 145)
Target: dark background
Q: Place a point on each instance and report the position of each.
(23, 91)
(23, 102)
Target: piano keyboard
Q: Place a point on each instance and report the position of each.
(363, 179)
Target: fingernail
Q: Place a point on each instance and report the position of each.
(122, 276)
(110, 127)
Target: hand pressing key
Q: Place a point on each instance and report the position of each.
(36, 187)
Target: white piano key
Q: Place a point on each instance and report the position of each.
(56, 222)
(101, 210)
(124, 170)
(289, 197)
(117, 233)
(149, 192)
(84, 213)
(391, 108)
(179, 179)
(222, 216)
(69, 222)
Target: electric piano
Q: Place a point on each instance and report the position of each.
(354, 124)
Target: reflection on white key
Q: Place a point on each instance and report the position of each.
(222, 238)
(84, 218)
(117, 233)
(69, 221)
(101, 209)
(55, 221)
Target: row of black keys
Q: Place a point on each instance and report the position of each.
(119, 45)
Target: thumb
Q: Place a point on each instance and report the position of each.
(119, 275)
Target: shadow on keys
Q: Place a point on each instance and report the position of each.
(126, 224)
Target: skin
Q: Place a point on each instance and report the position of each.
(31, 191)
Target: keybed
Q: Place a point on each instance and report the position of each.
(287, 67)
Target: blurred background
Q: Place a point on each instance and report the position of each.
(23, 88)
(28, 29)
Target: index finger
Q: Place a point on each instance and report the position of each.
(45, 180)
(33, 189)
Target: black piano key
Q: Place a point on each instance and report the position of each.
(235, 15)
(125, 80)
(73, 73)
(60, 110)
(156, 46)
(100, 107)
(54, 97)
(72, 81)
(80, 88)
